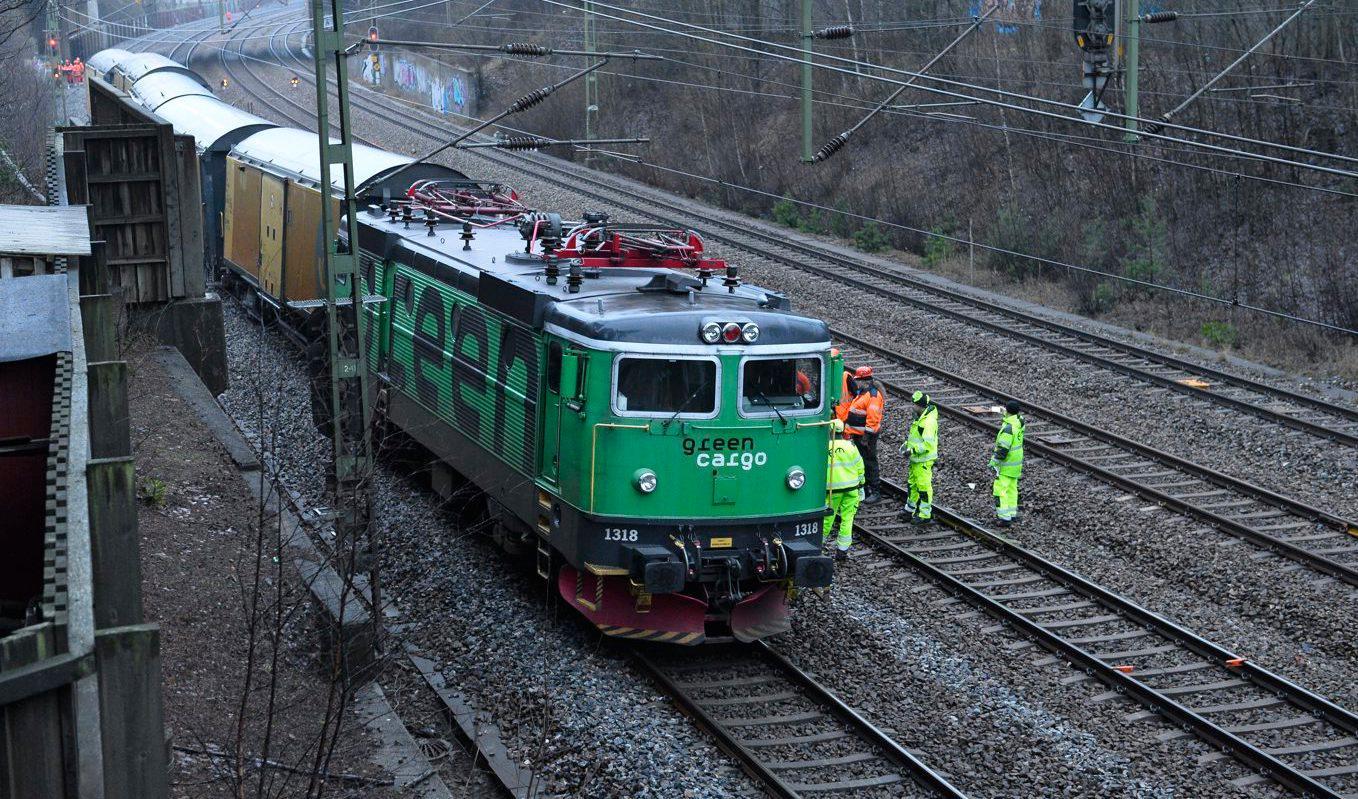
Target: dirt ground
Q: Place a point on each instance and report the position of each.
(200, 534)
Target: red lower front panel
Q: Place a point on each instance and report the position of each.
(609, 604)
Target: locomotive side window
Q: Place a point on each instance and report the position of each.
(554, 368)
(770, 386)
(665, 386)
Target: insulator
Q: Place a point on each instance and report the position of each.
(524, 48)
(831, 147)
(834, 32)
(522, 143)
(574, 277)
(1160, 16)
(531, 99)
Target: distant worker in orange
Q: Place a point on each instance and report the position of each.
(79, 68)
(864, 423)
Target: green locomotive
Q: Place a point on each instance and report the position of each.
(653, 427)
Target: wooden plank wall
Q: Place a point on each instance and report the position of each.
(142, 182)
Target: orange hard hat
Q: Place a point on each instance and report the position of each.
(862, 372)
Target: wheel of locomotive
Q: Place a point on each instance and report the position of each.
(507, 535)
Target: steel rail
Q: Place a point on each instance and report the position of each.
(573, 180)
(574, 175)
(1119, 676)
(760, 768)
(1197, 723)
(1318, 562)
(891, 751)
(1344, 529)
(1238, 381)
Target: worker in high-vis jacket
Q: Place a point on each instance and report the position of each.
(843, 488)
(1007, 462)
(922, 446)
(863, 424)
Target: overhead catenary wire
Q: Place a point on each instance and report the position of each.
(832, 146)
(726, 184)
(985, 100)
(964, 241)
(1170, 114)
(1065, 138)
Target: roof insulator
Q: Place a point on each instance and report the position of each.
(834, 32)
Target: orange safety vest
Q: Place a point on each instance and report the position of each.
(865, 412)
(845, 398)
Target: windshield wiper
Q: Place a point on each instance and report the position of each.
(769, 403)
(684, 405)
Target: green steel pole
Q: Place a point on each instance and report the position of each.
(1132, 106)
(591, 80)
(346, 317)
(806, 82)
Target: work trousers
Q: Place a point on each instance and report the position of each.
(867, 447)
(1006, 497)
(921, 502)
(843, 504)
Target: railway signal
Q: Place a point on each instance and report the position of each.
(1095, 22)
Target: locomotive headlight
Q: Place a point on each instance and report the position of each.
(711, 332)
(750, 332)
(730, 333)
(796, 478)
(645, 480)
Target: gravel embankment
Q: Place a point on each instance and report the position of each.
(1001, 726)
(585, 720)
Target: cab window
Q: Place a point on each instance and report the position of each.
(665, 387)
(770, 386)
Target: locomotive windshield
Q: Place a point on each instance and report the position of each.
(647, 386)
(782, 385)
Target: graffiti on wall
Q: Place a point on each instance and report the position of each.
(1009, 14)
(446, 90)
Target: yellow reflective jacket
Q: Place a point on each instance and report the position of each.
(1008, 456)
(923, 441)
(846, 466)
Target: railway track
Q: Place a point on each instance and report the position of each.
(1278, 730)
(1313, 537)
(787, 730)
(1292, 529)
(1291, 409)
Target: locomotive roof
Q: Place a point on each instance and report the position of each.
(639, 306)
